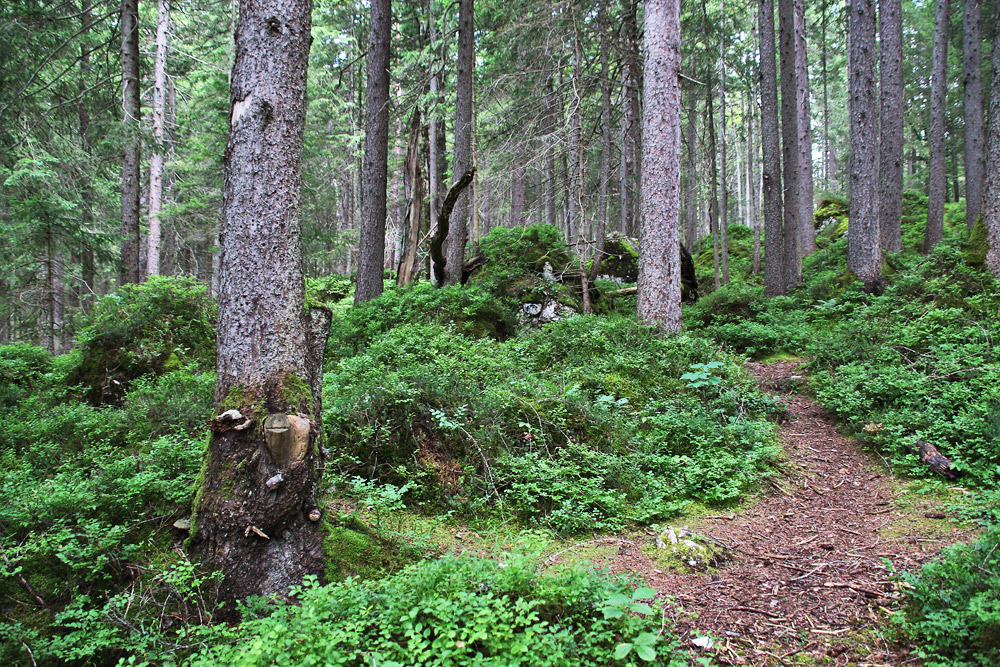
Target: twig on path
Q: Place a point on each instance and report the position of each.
(810, 572)
(759, 611)
(779, 488)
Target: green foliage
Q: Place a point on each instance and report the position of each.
(152, 328)
(739, 317)
(469, 310)
(455, 611)
(622, 260)
(953, 609)
(587, 424)
(21, 367)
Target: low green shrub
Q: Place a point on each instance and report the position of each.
(155, 327)
(457, 611)
(953, 606)
(585, 423)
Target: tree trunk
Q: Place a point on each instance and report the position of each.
(550, 155)
(256, 513)
(464, 91)
(826, 100)
(991, 194)
(605, 175)
(863, 254)
(807, 241)
(774, 277)
(371, 255)
(724, 213)
(937, 175)
(713, 175)
(890, 171)
(159, 137)
(790, 146)
(974, 141)
(129, 272)
(659, 286)
(691, 206)
(517, 193)
(414, 186)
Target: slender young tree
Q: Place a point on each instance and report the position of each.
(991, 195)
(807, 240)
(464, 91)
(724, 213)
(790, 146)
(131, 161)
(156, 160)
(972, 45)
(256, 514)
(659, 288)
(890, 171)
(774, 278)
(937, 185)
(863, 254)
(371, 256)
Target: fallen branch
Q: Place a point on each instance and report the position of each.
(776, 617)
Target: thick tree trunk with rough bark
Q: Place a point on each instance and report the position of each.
(974, 140)
(774, 276)
(863, 255)
(659, 286)
(991, 194)
(131, 161)
(807, 240)
(937, 185)
(156, 160)
(464, 92)
(371, 256)
(890, 171)
(256, 517)
(792, 261)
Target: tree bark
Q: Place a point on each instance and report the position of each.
(807, 241)
(713, 175)
(774, 277)
(605, 175)
(464, 91)
(991, 194)
(414, 187)
(129, 271)
(863, 256)
(724, 212)
(790, 146)
(691, 206)
(371, 255)
(255, 514)
(438, 259)
(659, 286)
(890, 172)
(937, 185)
(973, 107)
(156, 160)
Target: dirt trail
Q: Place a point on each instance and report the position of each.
(803, 577)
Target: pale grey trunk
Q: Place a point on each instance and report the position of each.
(605, 175)
(659, 288)
(774, 278)
(517, 193)
(890, 169)
(713, 175)
(626, 167)
(724, 212)
(826, 100)
(937, 185)
(129, 272)
(550, 155)
(371, 255)
(753, 183)
(807, 241)
(263, 538)
(974, 141)
(635, 78)
(863, 256)
(991, 195)
(159, 138)
(414, 187)
(691, 206)
(791, 172)
(464, 91)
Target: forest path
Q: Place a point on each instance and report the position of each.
(801, 575)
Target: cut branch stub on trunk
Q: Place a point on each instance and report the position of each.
(437, 243)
